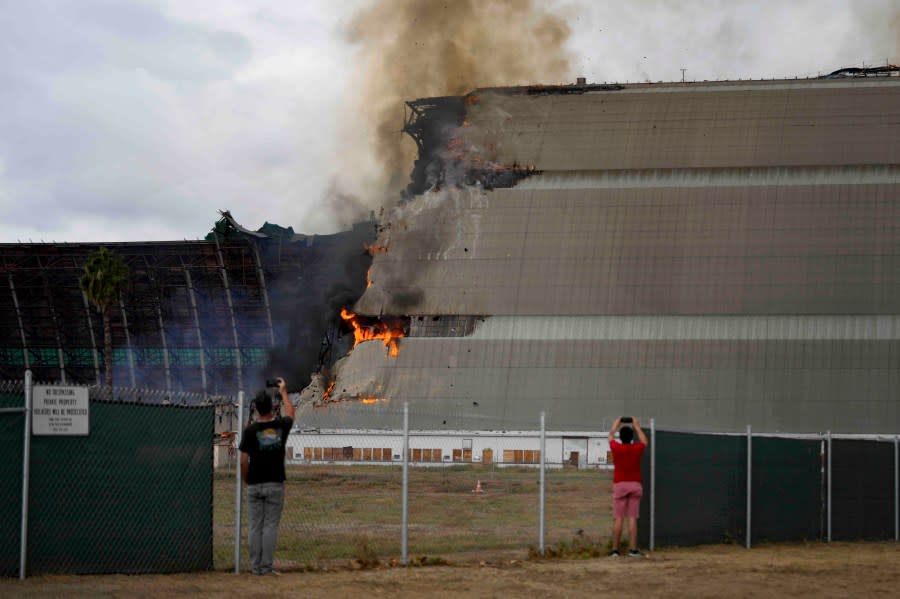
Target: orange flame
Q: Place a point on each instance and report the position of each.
(368, 400)
(327, 395)
(380, 330)
(369, 277)
(375, 249)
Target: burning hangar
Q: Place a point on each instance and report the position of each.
(710, 254)
(207, 316)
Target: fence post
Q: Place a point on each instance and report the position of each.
(237, 489)
(404, 518)
(652, 484)
(26, 475)
(749, 483)
(541, 500)
(828, 486)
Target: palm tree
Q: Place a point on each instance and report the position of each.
(104, 280)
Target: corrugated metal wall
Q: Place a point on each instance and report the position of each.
(709, 255)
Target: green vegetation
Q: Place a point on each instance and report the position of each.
(580, 547)
(351, 515)
(104, 280)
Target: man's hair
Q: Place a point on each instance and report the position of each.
(263, 403)
(626, 434)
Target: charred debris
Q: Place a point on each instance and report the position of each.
(310, 278)
(888, 70)
(435, 124)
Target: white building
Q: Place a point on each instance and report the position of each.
(448, 447)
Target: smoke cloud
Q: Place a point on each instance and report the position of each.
(411, 49)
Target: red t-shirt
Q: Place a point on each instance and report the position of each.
(627, 461)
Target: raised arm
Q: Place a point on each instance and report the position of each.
(615, 427)
(639, 431)
(286, 406)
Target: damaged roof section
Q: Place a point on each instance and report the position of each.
(494, 137)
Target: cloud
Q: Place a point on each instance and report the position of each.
(726, 39)
(123, 113)
(131, 119)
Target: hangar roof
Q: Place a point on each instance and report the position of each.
(735, 124)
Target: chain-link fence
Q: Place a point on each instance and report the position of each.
(132, 495)
(473, 491)
(751, 488)
(12, 423)
(477, 491)
(139, 493)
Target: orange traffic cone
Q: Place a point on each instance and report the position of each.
(477, 488)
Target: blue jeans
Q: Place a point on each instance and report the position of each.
(264, 503)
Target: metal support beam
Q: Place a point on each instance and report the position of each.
(541, 486)
(15, 299)
(165, 347)
(90, 326)
(828, 482)
(57, 333)
(652, 484)
(237, 343)
(265, 292)
(749, 485)
(128, 346)
(194, 311)
(26, 477)
(404, 500)
(162, 326)
(237, 489)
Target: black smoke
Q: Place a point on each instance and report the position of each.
(318, 276)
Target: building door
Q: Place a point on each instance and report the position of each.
(487, 456)
(578, 446)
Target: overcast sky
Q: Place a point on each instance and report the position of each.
(126, 120)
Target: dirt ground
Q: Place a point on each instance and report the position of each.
(812, 570)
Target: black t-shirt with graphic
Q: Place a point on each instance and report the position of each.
(264, 442)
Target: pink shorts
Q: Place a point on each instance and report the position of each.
(627, 499)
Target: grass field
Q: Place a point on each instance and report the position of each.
(354, 512)
(339, 520)
(792, 570)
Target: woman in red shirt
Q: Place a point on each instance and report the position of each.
(627, 488)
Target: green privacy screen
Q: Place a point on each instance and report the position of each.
(134, 496)
(786, 491)
(862, 489)
(11, 426)
(701, 489)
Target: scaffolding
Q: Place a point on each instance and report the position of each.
(194, 317)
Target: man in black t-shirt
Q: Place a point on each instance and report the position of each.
(262, 469)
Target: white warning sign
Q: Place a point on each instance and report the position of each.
(60, 410)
